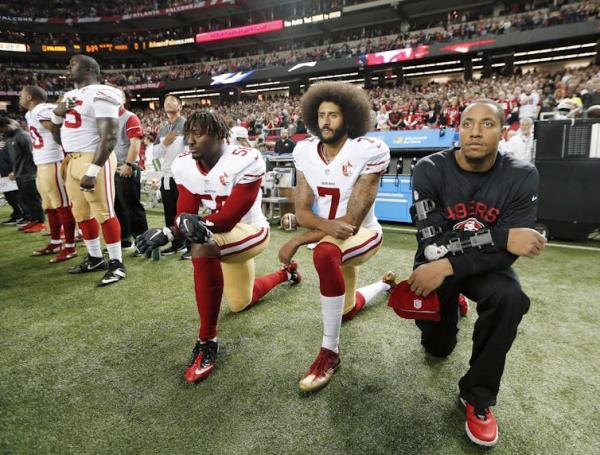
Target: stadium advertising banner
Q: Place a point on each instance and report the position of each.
(105, 47)
(237, 32)
(13, 47)
(418, 139)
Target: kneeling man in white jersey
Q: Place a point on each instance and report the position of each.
(224, 180)
(340, 170)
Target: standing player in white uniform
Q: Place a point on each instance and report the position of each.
(225, 180)
(339, 169)
(48, 156)
(88, 121)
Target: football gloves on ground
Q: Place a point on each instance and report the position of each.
(194, 228)
(153, 238)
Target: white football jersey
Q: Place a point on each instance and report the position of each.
(333, 183)
(79, 132)
(212, 188)
(45, 148)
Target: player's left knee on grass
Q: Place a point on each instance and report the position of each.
(237, 304)
(201, 250)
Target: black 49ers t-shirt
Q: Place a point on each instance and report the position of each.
(502, 198)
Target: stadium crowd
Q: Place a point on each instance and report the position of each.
(419, 106)
(341, 45)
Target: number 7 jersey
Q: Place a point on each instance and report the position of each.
(332, 183)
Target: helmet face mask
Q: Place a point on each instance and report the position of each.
(288, 222)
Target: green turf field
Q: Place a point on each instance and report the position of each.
(87, 370)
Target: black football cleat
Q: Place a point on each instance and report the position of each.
(292, 270)
(89, 264)
(116, 272)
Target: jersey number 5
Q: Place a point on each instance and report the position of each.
(72, 117)
(335, 199)
(219, 201)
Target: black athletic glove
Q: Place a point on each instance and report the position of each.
(153, 238)
(194, 228)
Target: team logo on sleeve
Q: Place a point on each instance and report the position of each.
(347, 169)
(223, 179)
(469, 225)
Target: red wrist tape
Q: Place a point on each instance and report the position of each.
(409, 305)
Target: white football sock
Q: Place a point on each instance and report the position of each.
(69, 245)
(114, 251)
(55, 242)
(331, 310)
(372, 290)
(93, 247)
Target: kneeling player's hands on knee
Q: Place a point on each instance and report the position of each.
(339, 229)
(525, 242)
(428, 277)
(194, 228)
(153, 238)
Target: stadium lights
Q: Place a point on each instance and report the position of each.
(271, 89)
(205, 95)
(424, 73)
(332, 76)
(452, 62)
(263, 84)
(554, 49)
(552, 59)
(150, 99)
(184, 92)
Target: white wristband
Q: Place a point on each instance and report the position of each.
(56, 119)
(93, 170)
(167, 231)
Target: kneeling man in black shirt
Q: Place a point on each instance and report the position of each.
(474, 210)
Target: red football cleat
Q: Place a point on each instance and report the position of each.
(463, 305)
(25, 224)
(203, 362)
(48, 249)
(64, 255)
(321, 371)
(34, 227)
(480, 425)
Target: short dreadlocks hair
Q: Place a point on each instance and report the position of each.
(205, 122)
(352, 100)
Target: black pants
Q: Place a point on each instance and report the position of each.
(14, 200)
(169, 200)
(501, 305)
(31, 200)
(129, 209)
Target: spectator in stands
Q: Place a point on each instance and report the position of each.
(529, 102)
(170, 143)
(284, 144)
(24, 172)
(382, 119)
(128, 207)
(521, 144)
(592, 97)
(395, 118)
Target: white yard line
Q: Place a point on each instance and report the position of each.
(558, 245)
